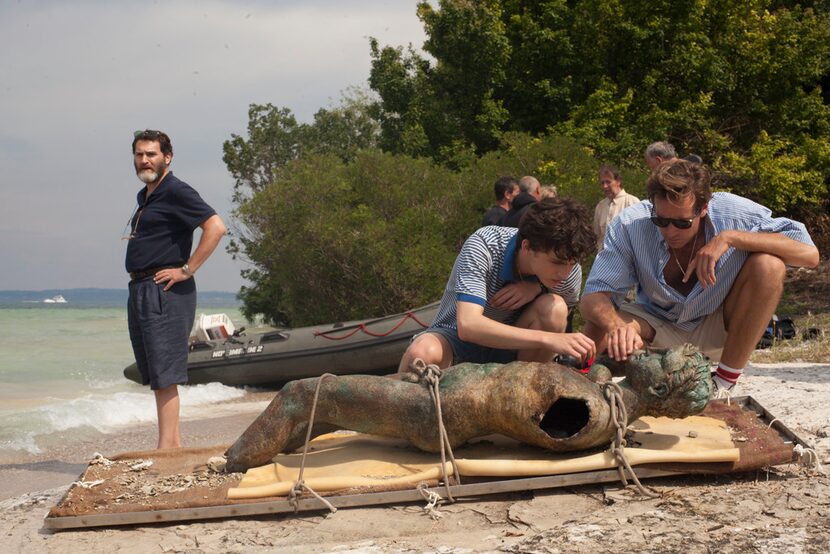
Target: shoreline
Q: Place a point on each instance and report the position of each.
(63, 461)
(786, 508)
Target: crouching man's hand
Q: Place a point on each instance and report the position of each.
(576, 345)
(622, 340)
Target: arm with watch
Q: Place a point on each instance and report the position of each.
(213, 229)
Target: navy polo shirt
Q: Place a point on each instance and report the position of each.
(162, 227)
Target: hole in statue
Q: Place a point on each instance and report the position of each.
(565, 418)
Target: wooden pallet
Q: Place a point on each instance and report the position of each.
(225, 508)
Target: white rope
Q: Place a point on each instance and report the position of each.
(431, 375)
(812, 461)
(433, 501)
(88, 484)
(619, 416)
(724, 393)
(297, 490)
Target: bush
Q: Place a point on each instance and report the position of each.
(332, 240)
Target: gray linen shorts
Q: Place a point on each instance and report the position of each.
(160, 324)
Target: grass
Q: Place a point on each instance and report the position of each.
(799, 349)
(806, 300)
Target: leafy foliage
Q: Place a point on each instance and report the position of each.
(336, 240)
(714, 78)
(275, 139)
(361, 212)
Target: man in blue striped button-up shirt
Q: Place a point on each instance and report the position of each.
(709, 270)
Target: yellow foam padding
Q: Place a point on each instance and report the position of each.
(339, 461)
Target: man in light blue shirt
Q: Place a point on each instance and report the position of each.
(709, 270)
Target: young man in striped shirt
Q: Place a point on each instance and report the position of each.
(709, 270)
(510, 290)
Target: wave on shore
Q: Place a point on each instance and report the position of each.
(23, 430)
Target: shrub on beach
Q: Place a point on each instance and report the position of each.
(333, 240)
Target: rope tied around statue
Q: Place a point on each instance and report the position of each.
(297, 490)
(619, 415)
(431, 374)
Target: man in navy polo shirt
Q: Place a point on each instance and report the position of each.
(162, 301)
(510, 290)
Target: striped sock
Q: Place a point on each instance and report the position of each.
(727, 376)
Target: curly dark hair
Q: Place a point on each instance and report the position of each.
(165, 145)
(561, 225)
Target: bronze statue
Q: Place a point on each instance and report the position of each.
(543, 404)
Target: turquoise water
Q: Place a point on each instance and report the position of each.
(61, 368)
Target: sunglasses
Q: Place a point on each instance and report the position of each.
(664, 222)
(129, 225)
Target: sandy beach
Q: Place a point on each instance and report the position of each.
(785, 509)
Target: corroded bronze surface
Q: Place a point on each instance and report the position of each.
(546, 405)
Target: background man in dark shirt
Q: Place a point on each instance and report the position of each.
(162, 300)
(505, 188)
(530, 191)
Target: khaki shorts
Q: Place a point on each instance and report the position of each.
(709, 336)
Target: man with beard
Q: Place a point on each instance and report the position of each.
(162, 299)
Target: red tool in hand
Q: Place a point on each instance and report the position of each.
(586, 366)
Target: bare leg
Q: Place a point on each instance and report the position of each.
(432, 348)
(750, 305)
(167, 407)
(547, 313)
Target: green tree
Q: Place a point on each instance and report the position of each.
(334, 240)
(275, 138)
(370, 202)
(711, 77)
(439, 110)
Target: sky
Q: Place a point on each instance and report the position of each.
(78, 78)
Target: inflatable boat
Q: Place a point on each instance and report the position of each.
(375, 346)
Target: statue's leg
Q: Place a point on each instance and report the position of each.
(364, 403)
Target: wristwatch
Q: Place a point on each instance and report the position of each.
(187, 271)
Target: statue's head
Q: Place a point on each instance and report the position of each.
(676, 382)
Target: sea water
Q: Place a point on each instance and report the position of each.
(61, 368)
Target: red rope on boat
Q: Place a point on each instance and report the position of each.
(362, 327)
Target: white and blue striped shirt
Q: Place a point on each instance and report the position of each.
(483, 267)
(635, 253)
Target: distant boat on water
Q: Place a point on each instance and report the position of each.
(58, 299)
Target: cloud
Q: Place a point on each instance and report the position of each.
(80, 77)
